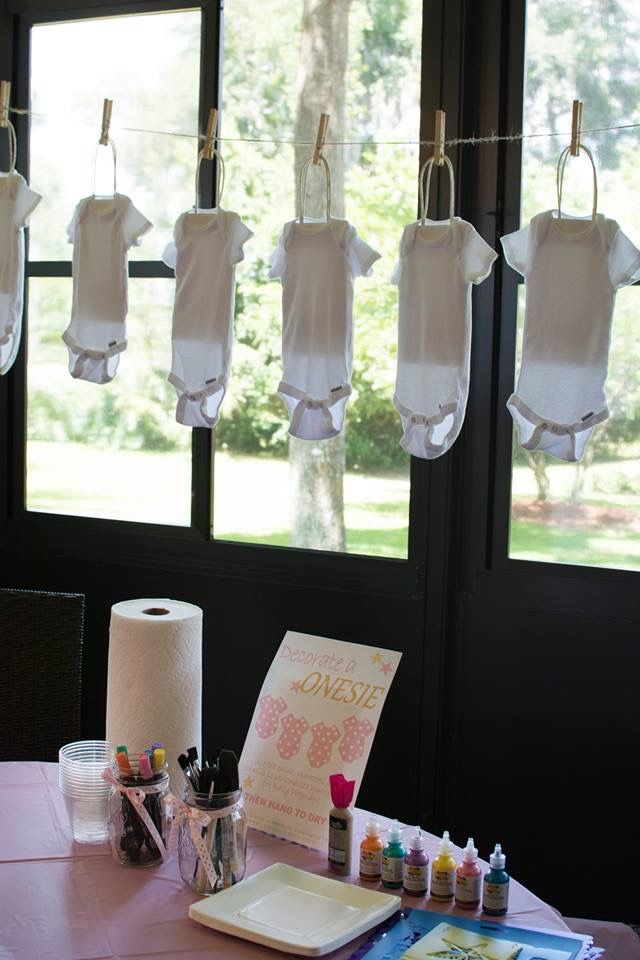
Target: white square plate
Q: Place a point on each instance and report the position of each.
(295, 911)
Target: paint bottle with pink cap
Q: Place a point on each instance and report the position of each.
(340, 824)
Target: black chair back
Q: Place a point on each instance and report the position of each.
(40, 672)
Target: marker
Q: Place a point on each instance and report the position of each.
(185, 766)
(159, 758)
(122, 760)
(145, 767)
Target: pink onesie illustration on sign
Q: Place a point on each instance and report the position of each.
(294, 728)
(352, 744)
(323, 739)
(269, 715)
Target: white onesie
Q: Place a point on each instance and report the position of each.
(102, 230)
(317, 261)
(438, 263)
(17, 202)
(206, 247)
(572, 269)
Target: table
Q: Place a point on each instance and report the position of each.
(68, 901)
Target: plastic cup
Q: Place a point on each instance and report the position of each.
(88, 819)
(85, 792)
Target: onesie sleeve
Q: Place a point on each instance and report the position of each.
(515, 246)
(170, 255)
(360, 256)
(73, 223)
(238, 234)
(406, 242)
(476, 257)
(278, 259)
(170, 252)
(134, 225)
(624, 261)
(26, 202)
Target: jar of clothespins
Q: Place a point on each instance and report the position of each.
(136, 813)
(211, 839)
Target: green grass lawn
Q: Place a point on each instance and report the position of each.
(252, 501)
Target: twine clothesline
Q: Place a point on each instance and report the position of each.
(451, 142)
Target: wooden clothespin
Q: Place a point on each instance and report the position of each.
(438, 139)
(320, 137)
(210, 135)
(576, 128)
(107, 107)
(5, 97)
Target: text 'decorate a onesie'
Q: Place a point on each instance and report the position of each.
(17, 202)
(102, 230)
(317, 261)
(572, 269)
(439, 262)
(207, 245)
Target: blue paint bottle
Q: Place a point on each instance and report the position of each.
(495, 888)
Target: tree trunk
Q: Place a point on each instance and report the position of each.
(538, 464)
(317, 468)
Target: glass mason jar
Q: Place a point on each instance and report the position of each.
(128, 815)
(223, 838)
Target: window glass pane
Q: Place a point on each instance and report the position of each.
(149, 66)
(112, 451)
(351, 493)
(589, 512)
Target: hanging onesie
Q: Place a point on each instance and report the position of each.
(572, 269)
(207, 246)
(17, 202)
(102, 230)
(438, 263)
(317, 261)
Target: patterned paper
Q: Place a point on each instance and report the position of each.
(317, 714)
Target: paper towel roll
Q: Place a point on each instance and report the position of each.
(154, 684)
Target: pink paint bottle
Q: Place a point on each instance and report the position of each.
(468, 878)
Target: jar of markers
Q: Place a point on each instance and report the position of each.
(212, 839)
(136, 814)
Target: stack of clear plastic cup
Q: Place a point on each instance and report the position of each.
(80, 767)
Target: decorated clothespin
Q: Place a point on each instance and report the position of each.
(438, 139)
(576, 128)
(320, 137)
(107, 107)
(5, 97)
(210, 135)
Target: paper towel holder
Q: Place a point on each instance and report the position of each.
(156, 611)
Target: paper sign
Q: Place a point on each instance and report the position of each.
(317, 714)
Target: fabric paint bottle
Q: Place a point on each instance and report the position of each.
(393, 858)
(443, 871)
(371, 853)
(416, 867)
(340, 824)
(468, 878)
(495, 888)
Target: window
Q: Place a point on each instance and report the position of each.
(350, 493)
(589, 512)
(109, 451)
(116, 451)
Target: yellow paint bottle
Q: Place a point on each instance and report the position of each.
(443, 871)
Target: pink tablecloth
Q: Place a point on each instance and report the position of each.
(67, 901)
